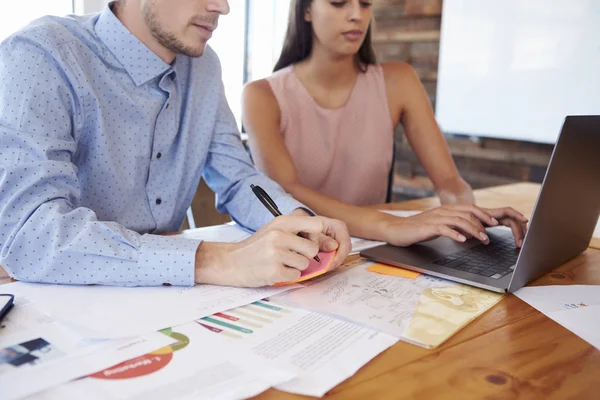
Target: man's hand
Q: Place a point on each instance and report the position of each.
(335, 237)
(275, 253)
(458, 222)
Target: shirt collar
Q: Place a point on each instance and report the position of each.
(141, 63)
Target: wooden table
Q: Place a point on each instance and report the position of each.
(510, 352)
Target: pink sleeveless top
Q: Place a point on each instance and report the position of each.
(344, 153)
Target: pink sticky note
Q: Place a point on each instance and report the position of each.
(315, 268)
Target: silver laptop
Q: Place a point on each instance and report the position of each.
(560, 228)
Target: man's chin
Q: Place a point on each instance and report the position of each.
(194, 53)
(191, 51)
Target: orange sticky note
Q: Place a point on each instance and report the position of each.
(315, 268)
(393, 271)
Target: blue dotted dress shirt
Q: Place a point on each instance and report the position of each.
(102, 146)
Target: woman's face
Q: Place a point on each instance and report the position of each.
(340, 25)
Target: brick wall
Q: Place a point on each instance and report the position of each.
(409, 30)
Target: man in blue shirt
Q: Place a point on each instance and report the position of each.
(107, 124)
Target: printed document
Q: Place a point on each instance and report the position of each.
(113, 312)
(199, 365)
(37, 353)
(576, 307)
(323, 351)
(425, 311)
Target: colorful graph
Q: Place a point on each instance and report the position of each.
(572, 306)
(242, 321)
(146, 364)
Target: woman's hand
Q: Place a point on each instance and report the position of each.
(516, 221)
(458, 222)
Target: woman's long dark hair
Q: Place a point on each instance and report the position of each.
(299, 39)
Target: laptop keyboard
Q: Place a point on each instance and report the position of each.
(495, 260)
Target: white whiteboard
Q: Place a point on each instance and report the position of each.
(514, 69)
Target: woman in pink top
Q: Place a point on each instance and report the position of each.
(322, 127)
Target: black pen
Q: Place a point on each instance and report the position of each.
(271, 206)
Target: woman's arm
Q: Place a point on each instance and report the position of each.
(261, 117)
(409, 105)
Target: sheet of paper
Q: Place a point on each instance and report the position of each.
(24, 316)
(37, 353)
(198, 365)
(227, 233)
(113, 312)
(321, 380)
(576, 307)
(393, 271)
(402, 213)
(424, 311)
(322, 350)
(360, 244)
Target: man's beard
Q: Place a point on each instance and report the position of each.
(167, 39)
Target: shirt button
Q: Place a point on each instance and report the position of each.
(159, 155)
(158, 201)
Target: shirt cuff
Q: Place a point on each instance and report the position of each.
(168, 260)
(287, 204)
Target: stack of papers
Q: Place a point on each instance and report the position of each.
(140, 343)
(300, 351)
(322, 351)
(237, 354)
(116, 312)
(37, 353)
(576, 307)
(199, 365)
(424, 310)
